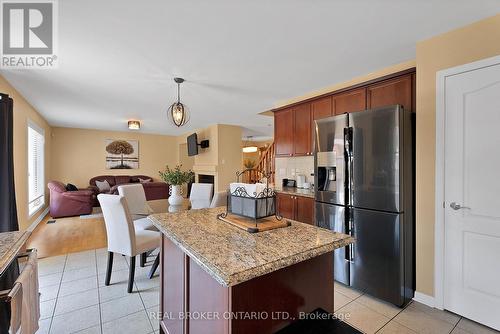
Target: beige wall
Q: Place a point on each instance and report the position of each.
(23, 112)
(79, 154)
(229, 155)
(473, 42)
(206, 156)
(222, 157)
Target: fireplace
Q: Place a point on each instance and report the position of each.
(204, 178)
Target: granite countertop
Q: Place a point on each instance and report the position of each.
(232, 256)
(10, 244)
(296, 191)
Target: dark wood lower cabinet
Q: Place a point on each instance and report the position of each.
(286, 205)
(193, 302)
(304, 210)
(298, 208)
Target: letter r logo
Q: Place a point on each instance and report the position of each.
(27, 28)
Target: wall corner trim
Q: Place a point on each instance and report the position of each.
(38, 219)
(424, 299)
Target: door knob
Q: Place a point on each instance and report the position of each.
(456, 206)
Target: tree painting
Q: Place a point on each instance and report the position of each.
(122, 154)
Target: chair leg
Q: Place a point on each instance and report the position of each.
(155, 266)
(131, 274)
(144, 258)
(109, 268)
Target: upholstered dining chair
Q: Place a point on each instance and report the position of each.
(139, 209)
(201, 195)
(123, 237)
(138, 206)
(220, 199)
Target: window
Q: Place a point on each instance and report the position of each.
(36, 172)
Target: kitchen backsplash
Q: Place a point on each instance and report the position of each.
(289, 168)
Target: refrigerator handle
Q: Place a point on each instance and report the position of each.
(348, 136)
(350, 251)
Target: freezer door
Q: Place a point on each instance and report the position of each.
(329, 160)
(374, 163)
(377, 265)
(332, 217)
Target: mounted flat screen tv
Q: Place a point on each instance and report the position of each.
(192, 144)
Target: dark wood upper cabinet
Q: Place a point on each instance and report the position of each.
(294, 125)
(390, 92)
(304, 209)
(350, 101)
(286, 205)
(283, 132)
(322, 108)
(302, 130)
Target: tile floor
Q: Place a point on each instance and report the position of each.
(371, 315)
(74, 299)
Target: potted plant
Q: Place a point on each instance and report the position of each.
(176, 178)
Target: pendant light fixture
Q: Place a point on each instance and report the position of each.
(177, 112)
(247, 148)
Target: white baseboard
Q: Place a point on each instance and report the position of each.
(424, 299)
(38, 219)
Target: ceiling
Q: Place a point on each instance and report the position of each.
(117, 58)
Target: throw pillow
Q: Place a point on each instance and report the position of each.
(71, 187)
(103, 186)
(144, 180)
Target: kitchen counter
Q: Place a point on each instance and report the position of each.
(296, 191)
(10, 245)
(241, 282)
(232, 256)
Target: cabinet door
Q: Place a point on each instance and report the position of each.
(283, 132)
(304, 209)
(286, 205)
(390, 92)
(352, 100)
(322, 108)
(302, 133)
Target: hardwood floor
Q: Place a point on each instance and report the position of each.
(67, 235)
(74, 234)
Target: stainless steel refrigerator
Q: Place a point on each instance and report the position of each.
(364, 186)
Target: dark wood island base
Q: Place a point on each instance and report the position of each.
(193, 302)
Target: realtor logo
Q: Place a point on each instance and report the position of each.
(28, 34)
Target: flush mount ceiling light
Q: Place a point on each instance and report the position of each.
(134, 125)
(247, 148)
(177, 112)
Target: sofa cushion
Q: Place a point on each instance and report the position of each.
(135, 178)
(122, 179)
(109, 178)
(103, 186)
(71, 187)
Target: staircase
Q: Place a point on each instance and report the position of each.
(265, 165)
(266, 162)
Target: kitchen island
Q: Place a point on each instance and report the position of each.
(216, 278)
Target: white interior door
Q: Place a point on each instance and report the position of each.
(472, 195)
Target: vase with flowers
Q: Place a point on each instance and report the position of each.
(176, 178)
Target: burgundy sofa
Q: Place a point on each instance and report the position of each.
(65, 203)
(153, 190)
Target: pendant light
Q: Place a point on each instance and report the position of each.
(177, 112)
(247, 148)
